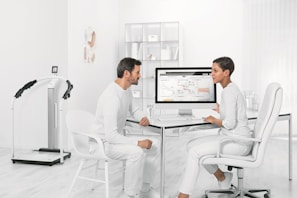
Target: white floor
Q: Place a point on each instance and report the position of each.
(36, 181)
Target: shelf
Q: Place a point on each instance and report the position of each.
(167, 41)
(155, 45)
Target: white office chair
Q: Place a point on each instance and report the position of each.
(265, 122)
(80, 125)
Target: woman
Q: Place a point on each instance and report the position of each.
(232, 122)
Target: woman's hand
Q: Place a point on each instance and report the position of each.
(217, 109)
(213, 120)
(210, 119)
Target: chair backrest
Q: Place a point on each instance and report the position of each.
(267, 118)
(81, 126)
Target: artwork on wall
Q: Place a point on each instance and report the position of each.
(89, 45)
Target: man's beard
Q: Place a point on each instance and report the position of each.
(135, 82)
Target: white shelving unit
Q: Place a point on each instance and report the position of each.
(155, 45)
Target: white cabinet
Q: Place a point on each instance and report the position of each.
(155, 45)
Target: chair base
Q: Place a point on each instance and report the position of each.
(239, 192)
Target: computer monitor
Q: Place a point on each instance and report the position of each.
(185, 88)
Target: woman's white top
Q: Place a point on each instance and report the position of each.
(233, 112)
(113, 107)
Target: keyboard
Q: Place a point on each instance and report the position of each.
(175, 117)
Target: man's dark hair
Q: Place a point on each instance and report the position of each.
(126, 64)
(225, 63)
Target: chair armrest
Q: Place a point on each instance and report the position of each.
(90, 135)
(226, 139)
(223, 139)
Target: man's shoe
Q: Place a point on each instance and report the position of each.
(226, 183)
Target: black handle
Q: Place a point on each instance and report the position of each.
(69, 88)
(26, 86)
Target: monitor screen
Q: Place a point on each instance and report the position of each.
(185, 88)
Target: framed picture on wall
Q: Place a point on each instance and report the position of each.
(89, 45)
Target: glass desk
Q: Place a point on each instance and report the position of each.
(160, 127)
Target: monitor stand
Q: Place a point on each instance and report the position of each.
(185, 112)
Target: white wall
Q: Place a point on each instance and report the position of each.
(209, 29)
(270, 42)
(37, 34)
(89, 79)
(42, 33)
(33, 38)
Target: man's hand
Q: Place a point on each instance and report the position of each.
(147, 144)
(144, 121)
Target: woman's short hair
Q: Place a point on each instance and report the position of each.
(225, 63)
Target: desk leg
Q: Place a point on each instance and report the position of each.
(162, 171)
(290, 148)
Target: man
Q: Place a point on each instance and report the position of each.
(141, 155)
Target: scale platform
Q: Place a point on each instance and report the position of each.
(43, 156)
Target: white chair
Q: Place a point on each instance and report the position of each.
(80, 125)
(265, 122)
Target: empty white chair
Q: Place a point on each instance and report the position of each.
(80, 125)
(265, 122)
